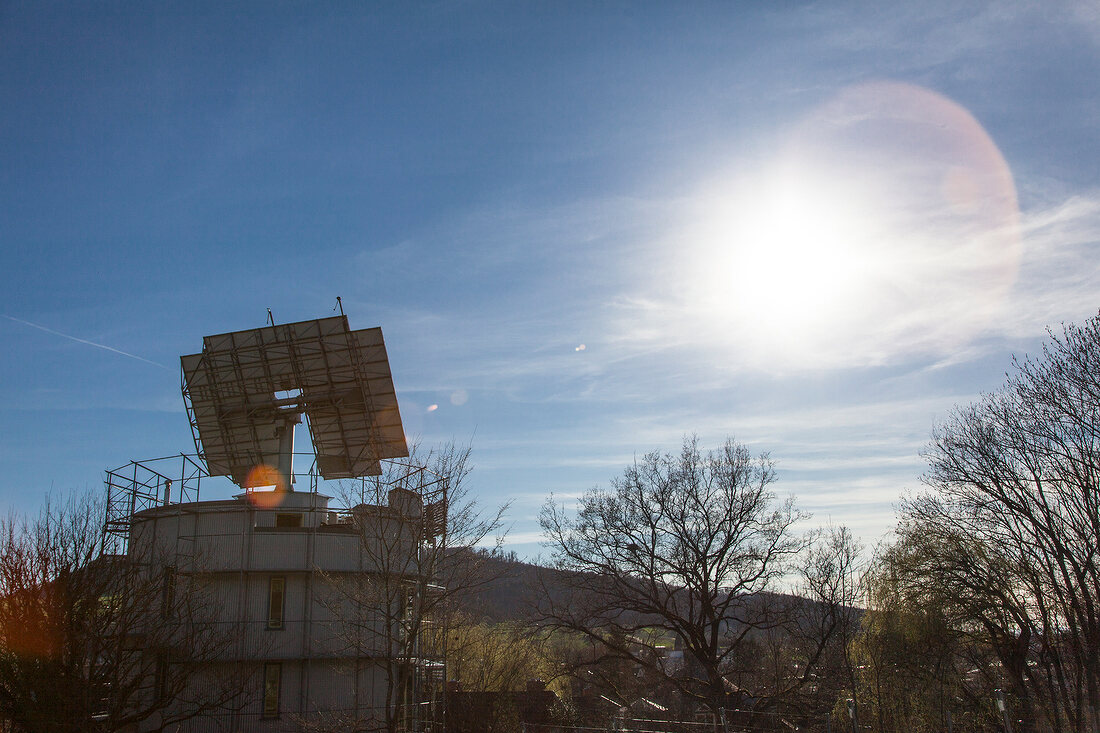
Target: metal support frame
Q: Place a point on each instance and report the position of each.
(141, 485)
(345, 392)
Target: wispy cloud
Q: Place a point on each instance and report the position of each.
(945, 286)
(1060, 268)
(113, 350)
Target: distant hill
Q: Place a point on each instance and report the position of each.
(510, 596)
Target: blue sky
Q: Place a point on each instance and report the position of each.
(586, 229)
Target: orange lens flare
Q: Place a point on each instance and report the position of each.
(266, 486)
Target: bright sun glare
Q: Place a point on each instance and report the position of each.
(887, 224)
(788, 256)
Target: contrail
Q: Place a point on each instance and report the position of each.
(84, 341)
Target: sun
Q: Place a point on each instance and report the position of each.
(798, 249)
(783, 255)
(887, 225)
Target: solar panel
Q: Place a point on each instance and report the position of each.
(245, 386)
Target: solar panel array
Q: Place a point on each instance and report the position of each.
(347, 396)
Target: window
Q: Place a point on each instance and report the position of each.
(276, 600)
(273, 674)
(288, 520)
(168, 592)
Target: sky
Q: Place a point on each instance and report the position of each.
(587, 229)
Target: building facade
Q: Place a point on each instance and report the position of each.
(313, 610)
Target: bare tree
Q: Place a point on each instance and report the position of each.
(1008, 535)
(421, 550)
(92, 642)
(688, 545)
(832, 580)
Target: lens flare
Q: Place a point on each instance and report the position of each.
(265, 486)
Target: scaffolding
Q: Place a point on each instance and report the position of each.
(174, 482)
(141, 485)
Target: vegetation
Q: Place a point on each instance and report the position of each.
(693, 545)
(418, 567)
(993, 582)
(983, 614)
(92, 642)
(500, 657)
(492, 665)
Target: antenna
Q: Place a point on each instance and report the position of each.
(270, 318)
(246, 390)
(339, 305)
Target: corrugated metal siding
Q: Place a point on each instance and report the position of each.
(324, 588)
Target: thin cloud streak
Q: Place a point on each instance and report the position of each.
(85, 341)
